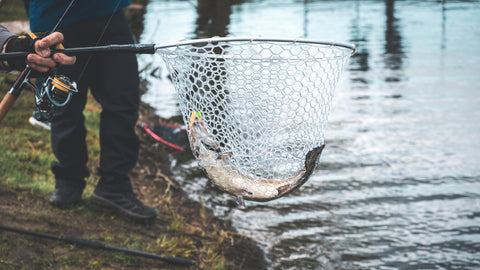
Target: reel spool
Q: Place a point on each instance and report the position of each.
(59, 90)
(54, 93)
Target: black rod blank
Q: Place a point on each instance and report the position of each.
(123, 48)
(93, 244)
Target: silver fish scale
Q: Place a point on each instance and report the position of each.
(265, 102)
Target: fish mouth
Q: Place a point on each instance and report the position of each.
(195, 117)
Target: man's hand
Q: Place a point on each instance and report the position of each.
(42, 60)
(40, 57)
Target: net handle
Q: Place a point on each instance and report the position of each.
(254, 39)
(152, 48)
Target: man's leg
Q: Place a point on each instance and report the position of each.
(68, 144)
(68, 130)
(116, 88)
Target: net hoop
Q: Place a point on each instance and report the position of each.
(162, 48)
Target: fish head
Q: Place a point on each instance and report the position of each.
(195, 119)
(200, 137)
(196, 131)
(196, 127)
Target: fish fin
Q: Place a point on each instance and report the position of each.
(241, 201)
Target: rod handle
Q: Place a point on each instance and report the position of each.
(6, 104)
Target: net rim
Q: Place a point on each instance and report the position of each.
(350, 47)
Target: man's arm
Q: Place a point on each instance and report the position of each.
(4, 36)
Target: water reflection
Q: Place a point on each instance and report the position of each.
(393, 56)
(213, 18)
(359, 33)
(393, 40)
(305, 18)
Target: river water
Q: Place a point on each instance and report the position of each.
(398, 185)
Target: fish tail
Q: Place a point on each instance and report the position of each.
(310, 164)
(311, 160)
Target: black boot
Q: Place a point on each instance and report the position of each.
(126, 203)
(66, 197)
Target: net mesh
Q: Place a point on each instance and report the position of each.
(265, 102)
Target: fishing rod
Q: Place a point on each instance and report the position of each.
(124, 48)
(93, 244)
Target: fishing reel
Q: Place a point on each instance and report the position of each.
(51, 94)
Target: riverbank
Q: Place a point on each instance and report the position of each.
(184, 228)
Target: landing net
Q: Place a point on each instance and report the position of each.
(264, 101)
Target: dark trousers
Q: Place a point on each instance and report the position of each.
(113, 81)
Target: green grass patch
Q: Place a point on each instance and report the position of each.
(12, 10)
(25, 152)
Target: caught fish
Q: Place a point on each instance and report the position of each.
(228, 178)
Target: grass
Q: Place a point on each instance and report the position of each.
(25, 149)
(26, 153)
(12, 10)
